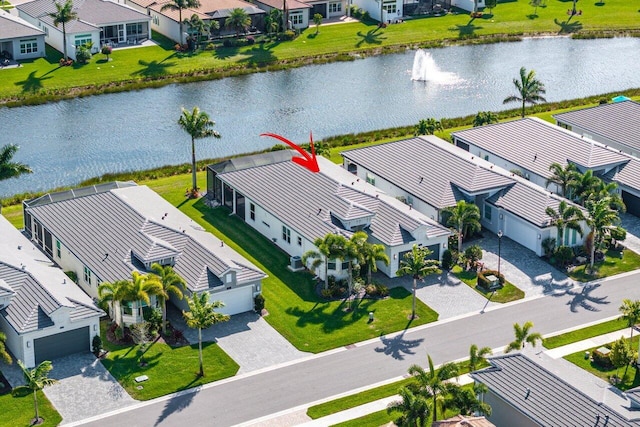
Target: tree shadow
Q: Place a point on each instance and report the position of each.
(331, 317)
(582, 298)
(397, 347)
(153, 68)
(567, 27)
(33, 84)
(371, 37)
(599, 3)
(532, 16)
(260, 54)
(225, 52)
(179, 402)
(466, 30)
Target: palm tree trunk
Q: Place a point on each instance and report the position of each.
(369, 274)
(200, 351)
(523, 106)
(164, 317)
(593, 249)
(350, 284)
(413, 308)
(180, 17)
(64, 42)
(193, 163)
(435, 407)
(326, 273)
(35, 405)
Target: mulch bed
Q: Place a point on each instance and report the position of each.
(174, 337)
(5, 387)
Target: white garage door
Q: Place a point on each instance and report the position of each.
(522, 232)
(235, 300)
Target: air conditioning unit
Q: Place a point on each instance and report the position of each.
(295, 263)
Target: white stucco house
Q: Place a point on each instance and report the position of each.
(42, 312)
(391, 10)
(19, 38)
(300, 13)
(431, 174)
(105, 232)
(292, 207)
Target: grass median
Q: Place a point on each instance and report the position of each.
(507, 293)
(583, 333)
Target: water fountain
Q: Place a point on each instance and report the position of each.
(425, 69)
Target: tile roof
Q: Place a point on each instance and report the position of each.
(619, 121)
(629, 174)
(534, 145)
(12, 27)
(291, 4)
(545, 397)
(134, 220)
(209, 9)
(314, 204)
(429, 168)
(463, 421)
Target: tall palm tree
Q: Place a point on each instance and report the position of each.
(485, 118)
(36, 379)
(171, 283)
(371, 254)
(198, 125)
(609, 189)
(63, 14)
(466, 400)
(567, 216)
(113, 293)
(583, 186)
(202, 315)
(142, 287)
(630, 313)
(601, 217)
(9, 169)
(416, 264)
(529, 89)
(465, 218)
(433, 383)
(179, 5)
(197, 26)
(414, 409)
(4, 354)
(428, 126)
(523, 335)
(239, 20)
(477, 356)
(353, 253)
(329, 247)
(562, 176)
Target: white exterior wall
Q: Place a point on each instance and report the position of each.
(53, 35)
(304, 18)
(341, 12)
(165, 26)
(68, 261)
(15, 343)
(41, 53)
(373, 7)
(467, 4)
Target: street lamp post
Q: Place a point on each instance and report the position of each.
(499, 247)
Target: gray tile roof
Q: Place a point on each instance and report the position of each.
(309, 203)
(619, 121)
(629, 174)
(12, 27)
(106, 222)
(428, 168)
(544, 397)
(534, 145)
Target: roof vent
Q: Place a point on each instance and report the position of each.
(526, 396)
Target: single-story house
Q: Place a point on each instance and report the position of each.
(20, 39)
(300, 13)
(616, 125)
(391, 10)
(535, 390)
(99, 22)
(431, 174)
(42, 312)
(105, 232)
(292, 206)
(464, 421)
(327, 8)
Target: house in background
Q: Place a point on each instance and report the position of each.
(99, 21)
(300, 13)
(292, 207)
(19, 38)
(105, 232)
(431, 174)
(386, 11)
(42, 312)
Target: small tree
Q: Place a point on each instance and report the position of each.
(490, 4)
(4, 354)
(473, 254)
(414, 409)
(621, 355)
(428, 126)
(83, 54)
(477, 356)
(523, 335)
(106, 50)
(35, 380)
(535, 4)
(484, 117)
(317, 19)
(416, 264)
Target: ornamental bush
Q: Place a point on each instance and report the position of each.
(484, 283)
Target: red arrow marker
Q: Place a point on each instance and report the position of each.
(307, 160)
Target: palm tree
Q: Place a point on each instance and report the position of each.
(272, 22)
(36, 379)
(171, 283)
(9, 169)
(63, 14)
(583, 186)
(413, 407)
(433, 384)
(529, 89)
(484, 118)
(477, 356)
(239, 20)
(465, 218)
(198, 125)
(179, 5)
(562, 176)
(113, 293)
(601, 217)
(329, 247)
(466, 401)
(523, 335)
(198, 26)
(4, 354)
(416, 264)
(202, 315)
(428, 126)
(371, 254)
(630, 313)
(142, 287)
(567, 216)
(603, 189)
(353, 252)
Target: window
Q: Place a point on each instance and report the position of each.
(371, 179)
(335, 7)
(82, 39)
(28, 46)
(58, 251)
(390, 7)
(345, 265)
(487, 212)
(299, 241)
(332, 264)
(286, 234)
(156, 20)
(296, 18)
(87, 275)
(133, 29)
(252, 211)
(228, 278)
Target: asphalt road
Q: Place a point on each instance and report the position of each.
(246, 398)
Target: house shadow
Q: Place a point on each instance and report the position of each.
(581, 298)
(153, 68)
(397, 346)
(179, 402)
(32, 83)
(371, 37)
(567, 27)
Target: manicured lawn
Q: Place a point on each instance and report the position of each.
(610, 266)
(169, 369)
(632, 379)
(19, 411)
(509, 292)
(584, 333)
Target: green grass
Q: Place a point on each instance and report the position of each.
(19, 411)
(170, 369)
(584, 333)
(509, 292)
(610, 266)
(631, 379)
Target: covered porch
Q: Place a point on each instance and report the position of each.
(125, 34)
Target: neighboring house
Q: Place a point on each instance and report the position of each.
(616, 125)
(42, 312)
(99, 22)
(431, 174)
(463, 421)
(292, 207)
(300, 14)
(392, 10)
(532, 390)
(105, 232)
(326, 8)
(20, 39)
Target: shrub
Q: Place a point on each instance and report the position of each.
(72, 275)
(210, 46)
(154, 317)
(447, 260)
(376, 291)
(96, 345)
(118, 332)
(602, 360)
(83, 54)
(250, 40)
(327, 293)
(106, 50)
(473, 254)
(563, 255)
(258, 303)
(382, 290)
(287, 35)
(548, 246)
(482, 278)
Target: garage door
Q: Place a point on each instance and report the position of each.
(632, 202)
(521, 232)
(62, 344)
(236, 300)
